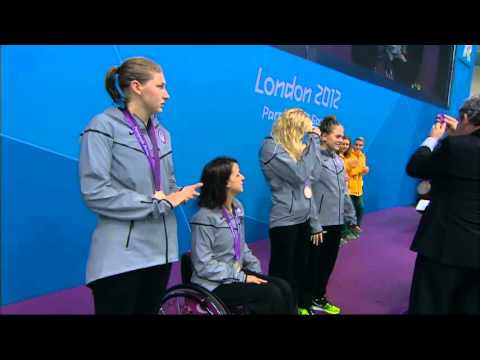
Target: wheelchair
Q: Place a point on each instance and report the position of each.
(191, 299)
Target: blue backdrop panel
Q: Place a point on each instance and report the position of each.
(45, 225)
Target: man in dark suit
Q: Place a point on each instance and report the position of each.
(446, 277)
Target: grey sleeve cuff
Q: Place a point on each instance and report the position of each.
(162, 207)
(240, 276)
(350, 220)
(430, 142)
(315, 229)
(255, 267)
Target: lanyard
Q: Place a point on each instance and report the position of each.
(235, 232)
(151, 154)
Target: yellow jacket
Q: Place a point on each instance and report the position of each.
(355, 167)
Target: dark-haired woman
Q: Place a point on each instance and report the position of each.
(222, 261)
(332, 207)
(127, 178)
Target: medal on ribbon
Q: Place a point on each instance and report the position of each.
(152, 153)
(307, 190)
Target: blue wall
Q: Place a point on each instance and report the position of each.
(220, 104)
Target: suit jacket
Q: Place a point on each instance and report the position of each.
(449, 230)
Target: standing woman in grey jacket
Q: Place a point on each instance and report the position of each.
(332, 207)
(127, 178)
(287, 162)
(222, 260)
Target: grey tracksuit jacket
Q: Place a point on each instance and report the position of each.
(133, 231)
(213, 254)
(287, 179)
(332, 205)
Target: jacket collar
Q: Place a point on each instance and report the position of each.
(327, 153)
(117, 113)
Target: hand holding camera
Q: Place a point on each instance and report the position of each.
(439, 127)
(449, 122)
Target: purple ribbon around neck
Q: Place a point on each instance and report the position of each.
(152, 154)
(235, 231)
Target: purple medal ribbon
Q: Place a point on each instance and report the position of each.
(235, 232)
(151, 154)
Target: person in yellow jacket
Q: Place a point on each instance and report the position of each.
(356, 167)
(345, 153)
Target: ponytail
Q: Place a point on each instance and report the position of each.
(112, 85)
(328, 123)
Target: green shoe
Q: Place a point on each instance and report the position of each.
(325, 306)
(303, 311)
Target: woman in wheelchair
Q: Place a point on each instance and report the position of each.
(222, 261)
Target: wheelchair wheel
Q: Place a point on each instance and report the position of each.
(191, 300)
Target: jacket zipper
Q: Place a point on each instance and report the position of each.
(166, 239)
(129, 233)
(321, 202)
(339, 192)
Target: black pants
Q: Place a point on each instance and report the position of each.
(274, 297)
(322, 260)
(288, 259)
(443, 289)
(133, 292)
(358, 205)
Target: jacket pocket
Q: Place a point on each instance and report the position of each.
(166, 239)
(291, 203)
(129, 233)
(320, 205)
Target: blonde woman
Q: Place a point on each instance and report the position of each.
(287, 162)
